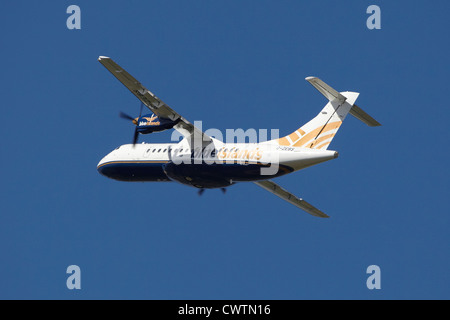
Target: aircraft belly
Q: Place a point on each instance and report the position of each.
(219, 175)
(252, 172)
(202, 175)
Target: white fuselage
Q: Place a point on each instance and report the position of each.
(231, 162)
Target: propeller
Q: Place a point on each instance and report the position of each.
(123, 115)
(135, 136)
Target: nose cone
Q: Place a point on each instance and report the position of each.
(101, 166)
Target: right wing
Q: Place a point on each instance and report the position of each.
(289, 197)
(155, 104)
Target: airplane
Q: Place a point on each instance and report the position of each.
(204, 162)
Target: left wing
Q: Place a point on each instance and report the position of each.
(289, 197)
(155, 104)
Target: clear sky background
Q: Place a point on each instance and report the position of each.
(231, 64)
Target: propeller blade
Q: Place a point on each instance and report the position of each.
(140, 111)
(224, 190)
(136, 135)
(200, 192)
(125, 116)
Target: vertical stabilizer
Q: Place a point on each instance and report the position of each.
(320, 131)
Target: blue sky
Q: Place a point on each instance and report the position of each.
(231, 64)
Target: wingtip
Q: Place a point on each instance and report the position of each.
(103, 57)
(319, 214)
(310, 78)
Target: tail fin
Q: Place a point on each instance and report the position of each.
(320, 131)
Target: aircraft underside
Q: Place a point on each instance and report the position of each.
(197, 175)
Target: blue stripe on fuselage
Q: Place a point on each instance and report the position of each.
(154, 171)
(134, 170)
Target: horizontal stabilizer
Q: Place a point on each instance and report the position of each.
(359, 114)
(331, 94)
(325, 89)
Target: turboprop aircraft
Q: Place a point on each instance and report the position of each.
(204, 162)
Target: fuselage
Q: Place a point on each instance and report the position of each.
(216, 167)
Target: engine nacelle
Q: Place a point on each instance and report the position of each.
(152, 123)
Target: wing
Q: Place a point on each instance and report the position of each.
(289, 197)
(155, 104)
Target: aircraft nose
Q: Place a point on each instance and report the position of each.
(101, 164)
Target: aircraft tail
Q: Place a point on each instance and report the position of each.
(320, 131)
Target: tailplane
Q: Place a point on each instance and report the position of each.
(320, 131)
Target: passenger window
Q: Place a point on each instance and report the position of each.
(159, 150)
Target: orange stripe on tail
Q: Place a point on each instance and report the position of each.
(312, 134)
